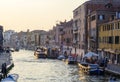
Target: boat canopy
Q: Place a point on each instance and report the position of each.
(90, 54)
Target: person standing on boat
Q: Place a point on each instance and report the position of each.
(65, 54)
(112, 79)
(4, 70)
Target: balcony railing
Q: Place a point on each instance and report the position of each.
(62, 32)
(75, 41)
(75, 29)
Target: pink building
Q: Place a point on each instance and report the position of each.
(68, 33)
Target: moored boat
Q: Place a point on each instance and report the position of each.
(95, 69)
(71, 60)
(92, 69)
(10, 78)
(41, 52)
(113, 79)
(61, 57)
(90, 64)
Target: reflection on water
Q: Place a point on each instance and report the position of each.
(31, 69)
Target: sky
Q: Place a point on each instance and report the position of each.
(20, 15)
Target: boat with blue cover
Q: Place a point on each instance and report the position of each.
(11, 78)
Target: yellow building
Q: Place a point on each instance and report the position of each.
(109, 40)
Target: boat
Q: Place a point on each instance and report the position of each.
(61, 57)
(113, 79)
(95, 69)
(91, 69)
(12, 49)
(71, 60)
(41, 52)
(17, 49)
(83, 66)
(11, 78)
(90, 65)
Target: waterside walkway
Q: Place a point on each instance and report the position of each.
(113, 69)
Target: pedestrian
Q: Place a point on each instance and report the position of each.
(4, 70)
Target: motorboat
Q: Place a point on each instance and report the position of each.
(83, 66)
(89, 64)
(91, 69)
(11, 78)
(71, 60)
(41, 52)
(16, 48)
(113, 79)
(94, 69)
(61, 57)
(12, 49)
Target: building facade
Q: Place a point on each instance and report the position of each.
(109, 40)
(38, 38)
(82, 26)
(68, 33)
(15, 41)
(7, 36)
(94, 19)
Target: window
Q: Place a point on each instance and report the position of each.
(103, 39)
(99, 39)
(112, 26)
(108, 27)
(110, 39)
(112, 17)
(103, 27)
(76, 23)
(101, 17)
(76, 36)
(118, 25)
(116, 39)
(117, 15)
(76, 13)
(93, 18)
(108, 5)
(107, 40)
(99, 29)
(61, 29)
(68, 40)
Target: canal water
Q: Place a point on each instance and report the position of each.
(31, 69)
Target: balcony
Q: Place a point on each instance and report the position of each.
(62, 32)
(75, 30)
(75, 41)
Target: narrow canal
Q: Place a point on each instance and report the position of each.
(31, 69)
